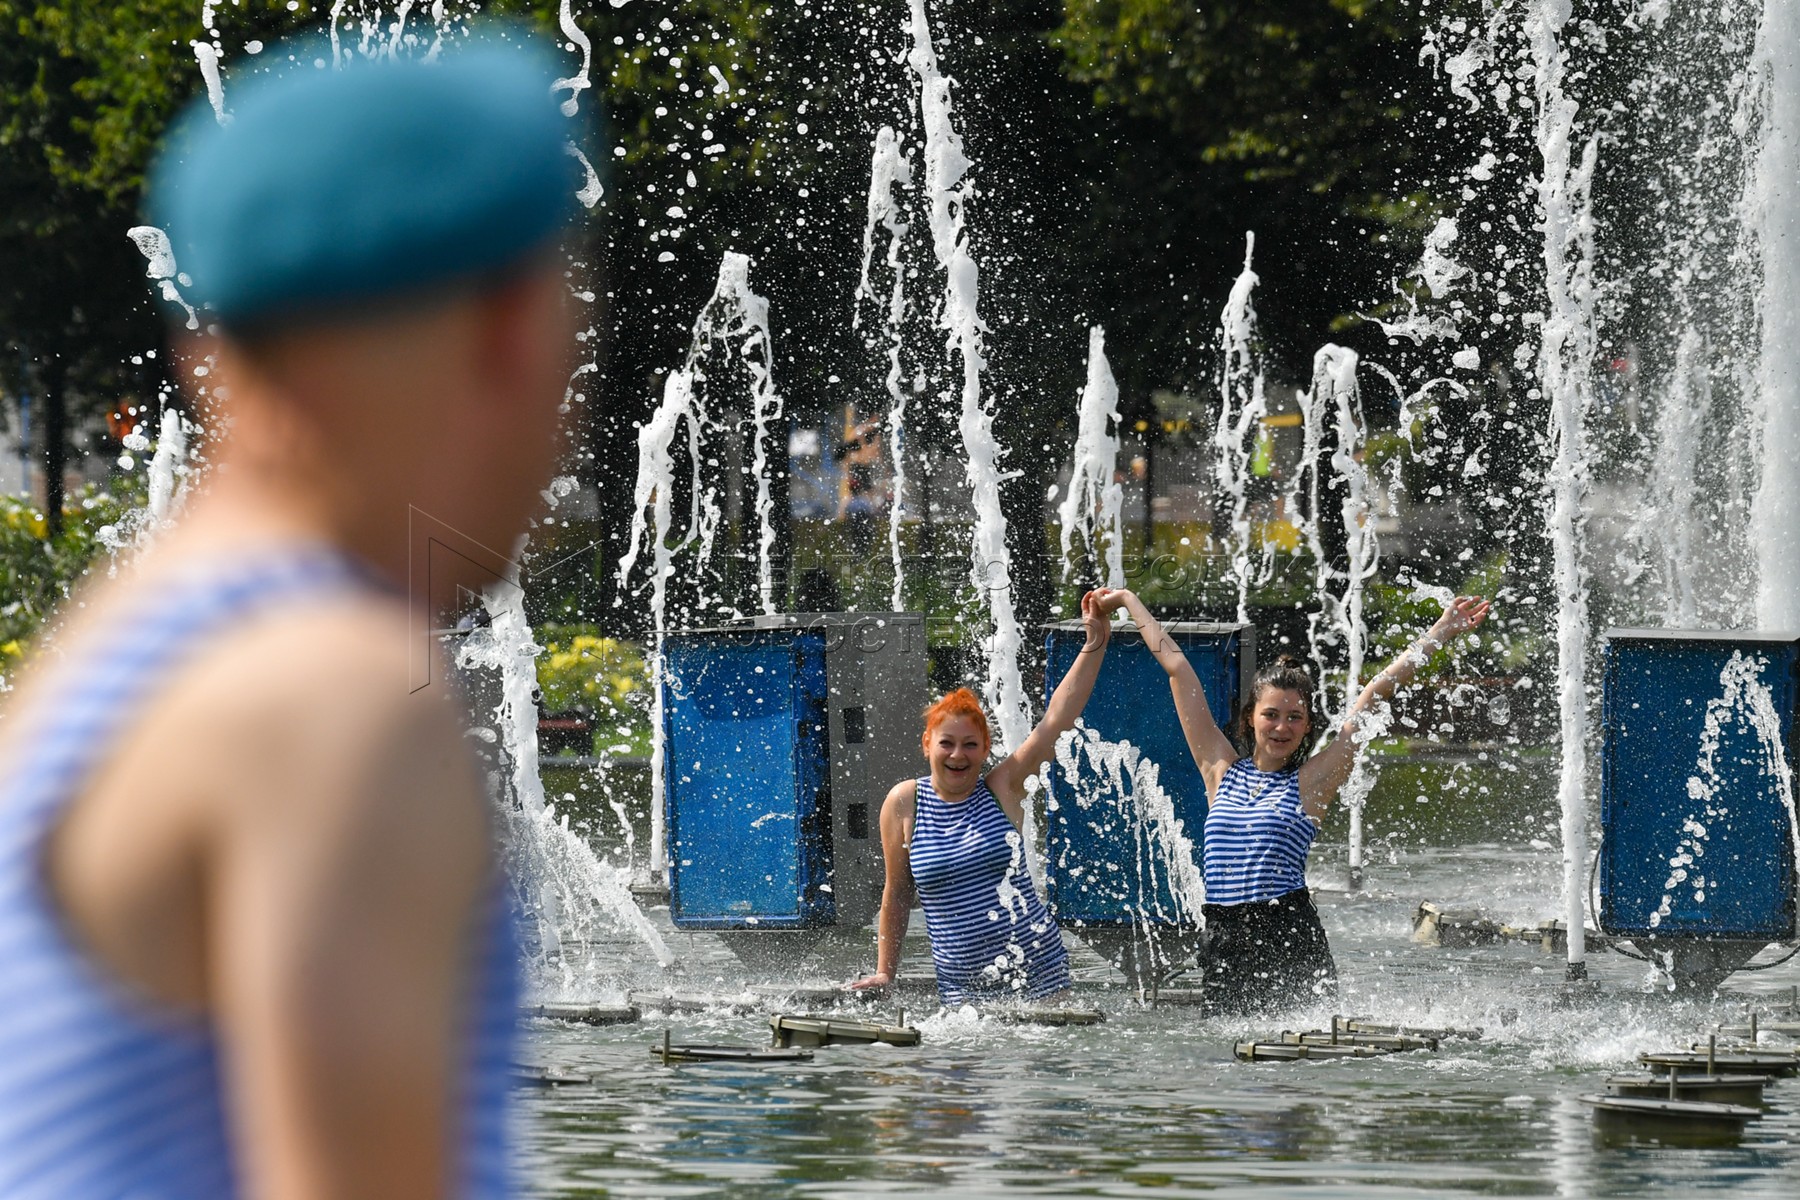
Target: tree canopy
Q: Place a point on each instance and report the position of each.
(1122, 150)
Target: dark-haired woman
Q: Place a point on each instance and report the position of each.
(1265, 949)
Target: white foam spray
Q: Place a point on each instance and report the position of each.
(1440, 273)
(732, 312)
(160, 265)
(1241, 409)
(397, 31)
(947, 191)
(1743, 697)
(1095, 499)
(168, 468)
(578, 82)
(207, 54)
(1565, 355)
(591, 189)
(1335, 398)
(890, 167)
(1673, 511)
(572, 894)
(651, 518)
(1775, 214)
(1130, 786)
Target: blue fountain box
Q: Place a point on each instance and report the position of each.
(746, 783)
(1696, 837)
(1104, 863)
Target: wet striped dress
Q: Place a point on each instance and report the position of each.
(1265, 950)
(103, 1095)
(1257, 836)
(991, 936)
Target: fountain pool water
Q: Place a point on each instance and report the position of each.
(1151, 1102)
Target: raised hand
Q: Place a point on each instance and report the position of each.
(1460, 616)
(1097, 608)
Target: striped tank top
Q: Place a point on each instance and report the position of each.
(103, 1095)
(991, 937)
(1257, 836)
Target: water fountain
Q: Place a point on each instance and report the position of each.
(1127, 803)
(1520, 67)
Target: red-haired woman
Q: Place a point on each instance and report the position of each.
(951, 839)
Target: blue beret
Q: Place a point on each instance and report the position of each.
(331, 188)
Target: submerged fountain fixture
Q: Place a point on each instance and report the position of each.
(1697, 850)
(782, 735)
(1127, 804)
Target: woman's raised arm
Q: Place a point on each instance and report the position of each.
(1007, 779)
(1211, 748)
(1326, 772)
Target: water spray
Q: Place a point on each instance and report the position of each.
(1095, 499)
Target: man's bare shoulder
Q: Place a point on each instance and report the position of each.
(317, 701)
(355, 647)
(290, 753)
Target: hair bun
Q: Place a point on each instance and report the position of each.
(1290, 662)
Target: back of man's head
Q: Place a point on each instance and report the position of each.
(338, 189)
(375, 245)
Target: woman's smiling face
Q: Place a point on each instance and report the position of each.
(1279, 723)
(957, 749)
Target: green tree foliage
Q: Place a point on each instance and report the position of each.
(1121, 149)
(1309, 121)
(85, 91)
(40, 568)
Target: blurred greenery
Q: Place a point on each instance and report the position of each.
(39, 569)
(580, 670)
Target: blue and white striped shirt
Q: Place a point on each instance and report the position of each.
(104, 1096)
(1257, 836)
(991, 936)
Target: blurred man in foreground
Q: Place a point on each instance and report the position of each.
(251, 937)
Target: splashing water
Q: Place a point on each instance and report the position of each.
(733, 311)
(1339, 623)
(1673, 509)
(1130, 785)
(1698, 397)
(1095, 498)
(160, 265)
(1440, 274)
(1743, 697)
(578, 82)
(591, 189)
(1335, 396)
(1566, 349)
(1775, 213)
(890, 167)
(655, 488)
(1241, 409)
(947, 191)
(167, 475)
(570, 894)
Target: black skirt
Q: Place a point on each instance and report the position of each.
(1265, 957)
